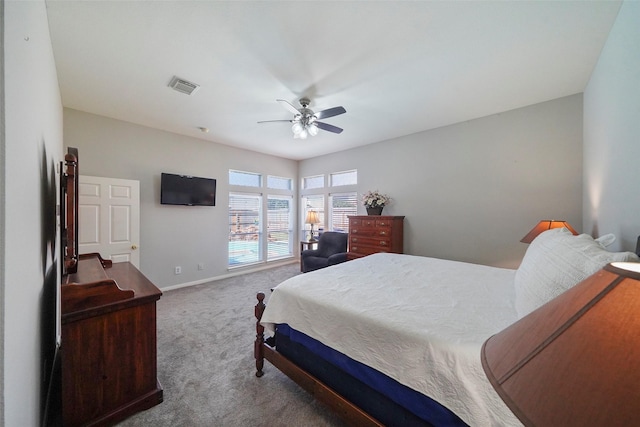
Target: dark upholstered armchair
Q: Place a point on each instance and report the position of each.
(332, 249)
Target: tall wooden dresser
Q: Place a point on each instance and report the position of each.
(370, 234)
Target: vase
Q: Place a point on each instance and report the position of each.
(375, 211)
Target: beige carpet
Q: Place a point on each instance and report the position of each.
(206, 365)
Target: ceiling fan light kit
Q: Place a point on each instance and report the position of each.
(305, 121)
(301, 131)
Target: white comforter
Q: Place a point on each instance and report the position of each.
(421, 321)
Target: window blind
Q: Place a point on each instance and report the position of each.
(279, 227)
(342, 205)
(315, 203)
(244, 228)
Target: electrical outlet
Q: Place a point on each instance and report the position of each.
(178, 270)
(200, 266)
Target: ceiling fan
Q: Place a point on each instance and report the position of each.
(305, 121)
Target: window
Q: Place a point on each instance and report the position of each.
(279, 227)
(278, 183)
(311, 182)
(246, 179)
(261, 226)
(342, 205)
(244, 229)
(316, 203)
(343, 178)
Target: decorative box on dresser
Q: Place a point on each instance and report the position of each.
(370, 234)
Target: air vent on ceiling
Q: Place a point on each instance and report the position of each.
(183, 86)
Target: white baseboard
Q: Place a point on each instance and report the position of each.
(235, 273)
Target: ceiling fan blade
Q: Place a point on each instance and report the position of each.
(328, 127)
(289, 106)
(330, 112)
(271, 121)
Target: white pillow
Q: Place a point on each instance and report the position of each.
(606, 240)
(555, 261)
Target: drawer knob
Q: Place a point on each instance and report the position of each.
(354, 249)
(354, 239)
(383, 233)
(355, 230)
(383, 243)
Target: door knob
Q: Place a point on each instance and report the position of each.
(134, 247)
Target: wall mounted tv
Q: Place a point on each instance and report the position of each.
(187, 190)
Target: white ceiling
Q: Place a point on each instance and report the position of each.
(397, 67)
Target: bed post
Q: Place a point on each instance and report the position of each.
(264, 350)
(258, 349)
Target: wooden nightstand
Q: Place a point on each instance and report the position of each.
(304, 245)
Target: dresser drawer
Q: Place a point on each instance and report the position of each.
(363, 250)
(356, 241)
(371, 223)
(370, 231)
(363, 223)
(383, 223)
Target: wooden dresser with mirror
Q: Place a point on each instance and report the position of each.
(108, 326)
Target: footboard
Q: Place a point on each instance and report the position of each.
(265, 349)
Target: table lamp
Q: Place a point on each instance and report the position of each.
(574, 360)
(312, 218)
(544, 225)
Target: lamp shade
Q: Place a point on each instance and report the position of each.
(574, 361)
(312, 218)
(544, 225)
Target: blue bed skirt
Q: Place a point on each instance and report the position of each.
(382, 397)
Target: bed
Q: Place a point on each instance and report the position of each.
(394, 339)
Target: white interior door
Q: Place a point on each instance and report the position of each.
(109, 218)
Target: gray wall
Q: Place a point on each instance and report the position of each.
(32, 148)
(472, 190)
(612, 134)
(169, 235)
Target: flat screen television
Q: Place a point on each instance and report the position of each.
(187, 190)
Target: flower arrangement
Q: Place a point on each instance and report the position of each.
(375, 199)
